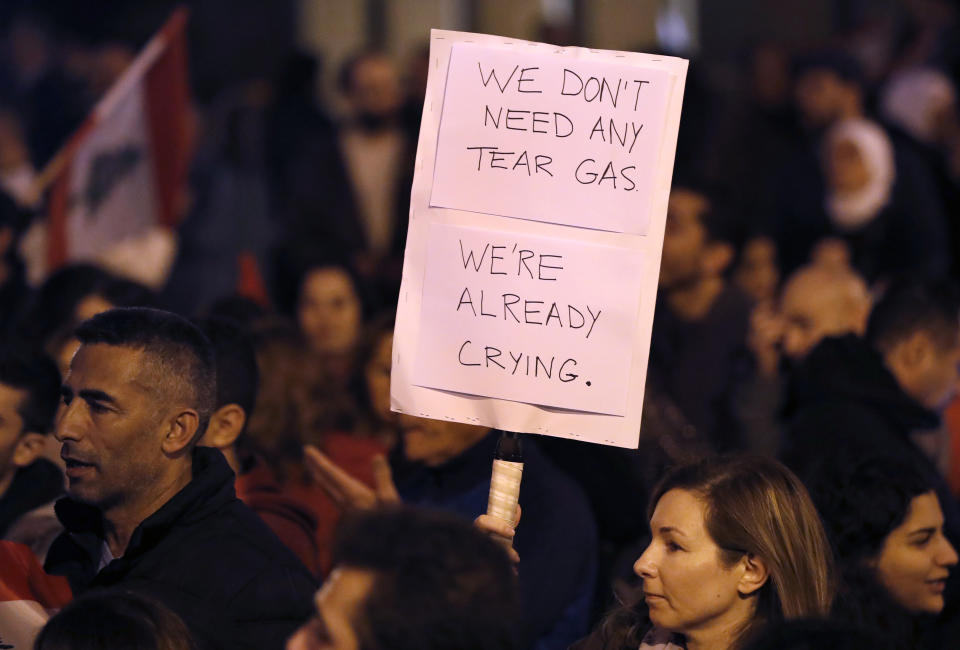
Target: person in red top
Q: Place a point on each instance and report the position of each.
(293, 520)
(951, 418)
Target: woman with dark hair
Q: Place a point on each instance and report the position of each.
(373, 386)
(330, 313)
(291, 410)
(111, 619)
(884, 520)
(331, 305)
(736, 545)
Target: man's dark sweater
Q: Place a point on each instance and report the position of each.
(204, 554)
(556, 538)
(846, 403)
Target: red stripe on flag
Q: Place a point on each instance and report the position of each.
(57, 220)
(250, 282)
(168, 110)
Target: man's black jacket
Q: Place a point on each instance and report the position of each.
(847, 405)
(204, 554)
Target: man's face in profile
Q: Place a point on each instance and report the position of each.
(339, 604)
(940, 374)
(110, 426)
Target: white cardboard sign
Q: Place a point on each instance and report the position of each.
(529, 319)
(501, 265)
(554, 139)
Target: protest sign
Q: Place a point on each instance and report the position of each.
(536, 225)
(562, 141)
(519, 314)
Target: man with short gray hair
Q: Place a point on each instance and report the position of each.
(148, 510)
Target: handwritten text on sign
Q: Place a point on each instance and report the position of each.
(526, 318)
(560, 140)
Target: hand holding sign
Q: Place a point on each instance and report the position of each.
(501, 532)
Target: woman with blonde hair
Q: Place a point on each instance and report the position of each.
(736, 545)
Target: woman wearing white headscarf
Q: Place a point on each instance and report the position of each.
(860, 173)
(887, 230)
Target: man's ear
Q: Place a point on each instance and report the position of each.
(755, 574)
(226, 425)
(28, 449)
(181, 431)
(915, 350)
(717, 256)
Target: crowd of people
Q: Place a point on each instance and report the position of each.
(210, 463)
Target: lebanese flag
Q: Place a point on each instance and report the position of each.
(118, 186)
(28, 596)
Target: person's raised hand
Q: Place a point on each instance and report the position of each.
(347, 492)
(763, 339)
(501, 532)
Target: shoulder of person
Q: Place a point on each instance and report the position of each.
(275, 593)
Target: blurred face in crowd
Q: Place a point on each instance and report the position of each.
(18, 448)
(819, 94)
(329, 312)
(684, 239)
(927, 367)
(847, 172)
(686, 585)
(108, 62)
(831, 253)
(64, 354)
(770, 76)
(818, 303)
(916, 558)
(13, 149)
(29, 48)
(378, 377)
(434, 442)
(339, 604)
(111, 426)
(757, 273)
(374, 89)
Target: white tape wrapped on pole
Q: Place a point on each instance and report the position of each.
(505, 478)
